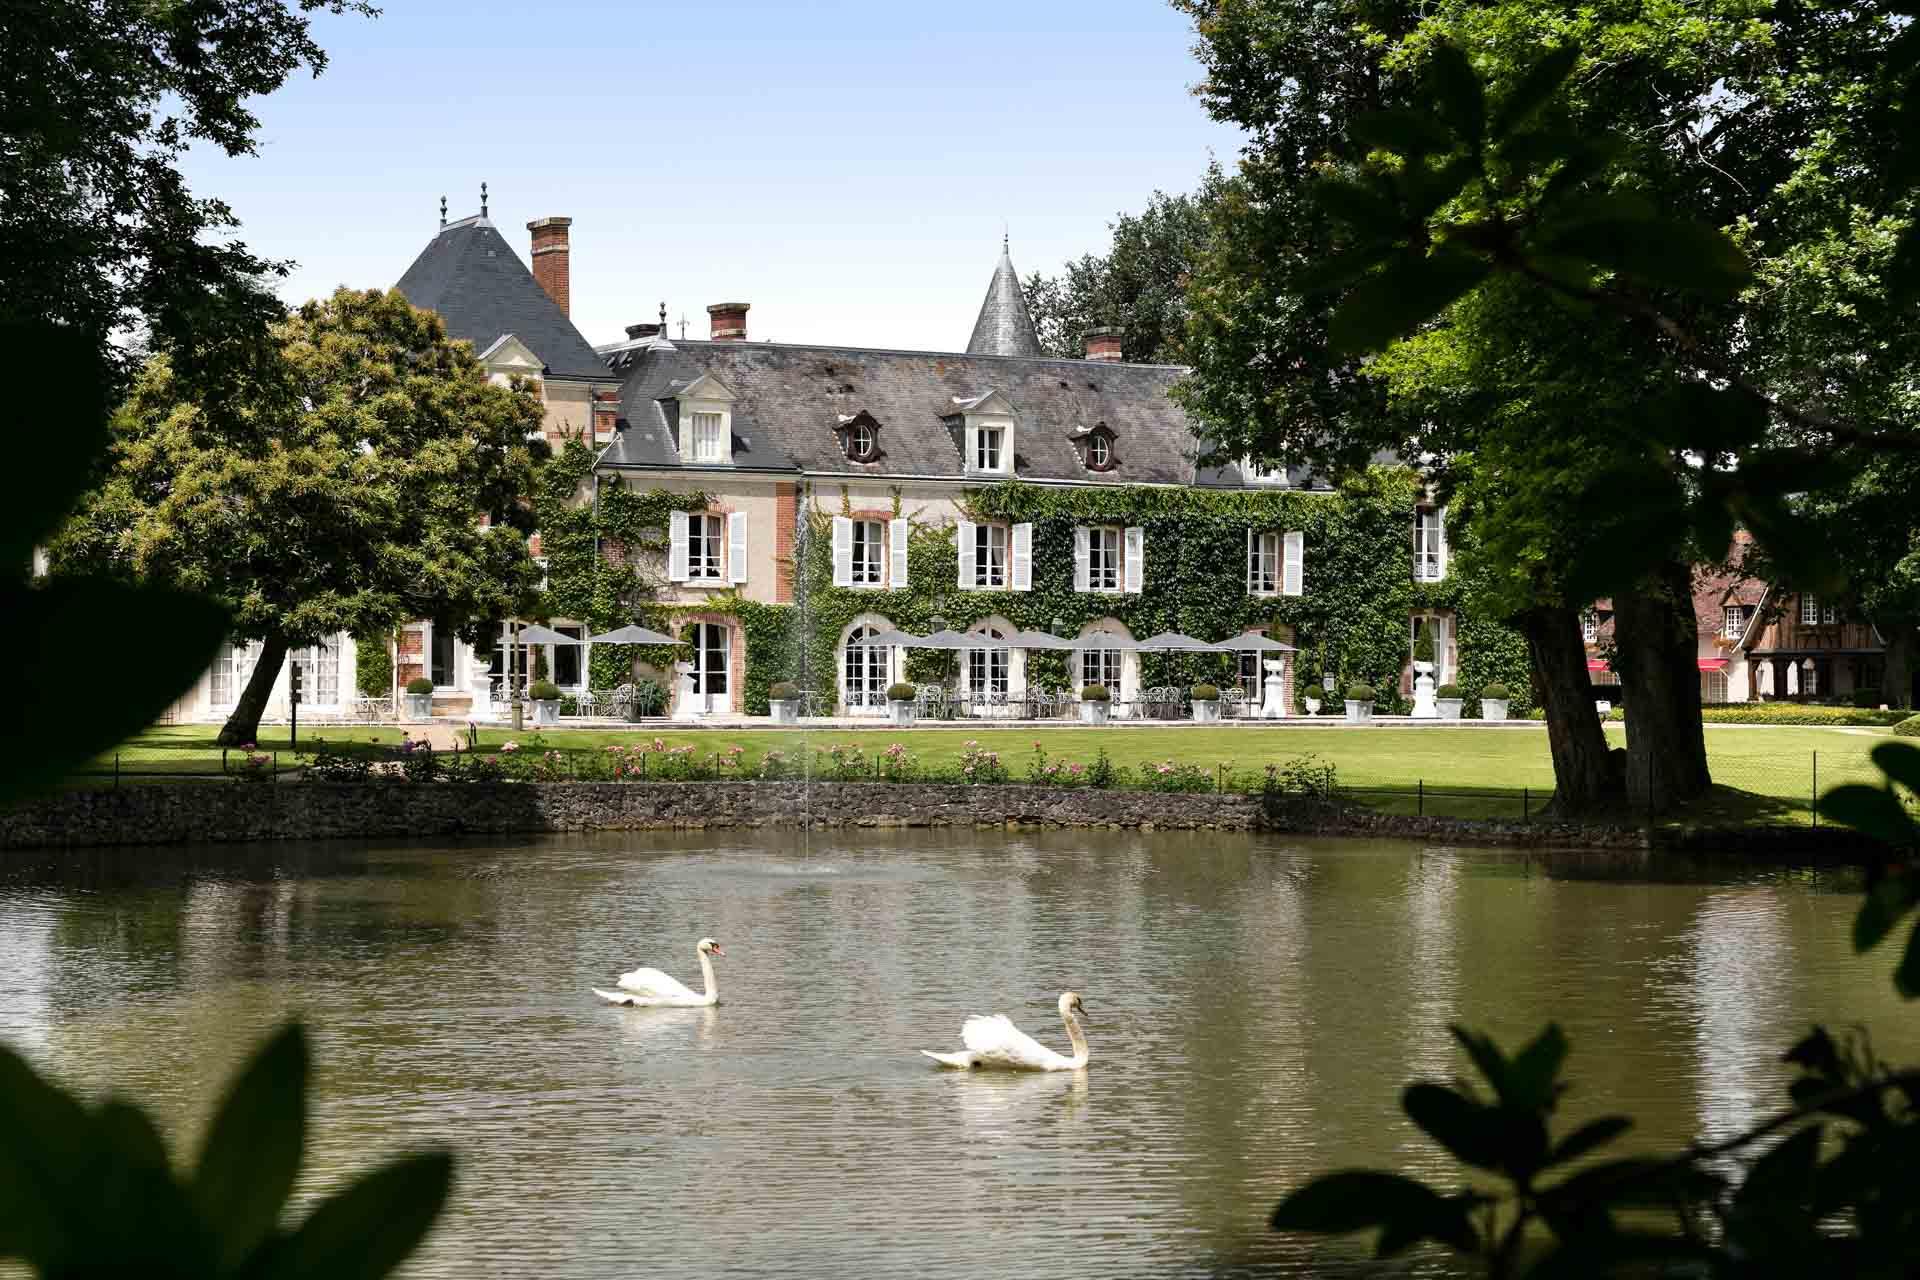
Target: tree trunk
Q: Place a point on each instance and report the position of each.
(1897, 685)
(1585, 780)
(1658, 645)
(243, 726)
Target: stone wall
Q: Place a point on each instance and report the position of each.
(210, 812)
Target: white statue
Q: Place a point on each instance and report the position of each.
(687, 705)
(1424, 707)
(1273, 705)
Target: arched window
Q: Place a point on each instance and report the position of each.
(1100, 450)
(864, 673)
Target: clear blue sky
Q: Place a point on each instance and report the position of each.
(844, 167)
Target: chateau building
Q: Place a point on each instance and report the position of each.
(878, 441)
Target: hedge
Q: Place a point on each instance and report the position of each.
(1799, 713)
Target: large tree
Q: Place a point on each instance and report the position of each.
(1138, 285)
(371, 473)
(1710, 114)
(98, 230)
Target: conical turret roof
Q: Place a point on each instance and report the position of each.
(1004, 328)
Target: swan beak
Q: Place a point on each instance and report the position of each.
(719, 950)
(1082, 1011)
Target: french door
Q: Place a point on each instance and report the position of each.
(712, 677)
(864, 684)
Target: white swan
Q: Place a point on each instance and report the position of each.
(652, 987)
(996, 1044)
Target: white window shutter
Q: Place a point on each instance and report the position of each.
(1082, 555)
(737, 547)
(897, 544)
(1023, 557)
(1253, 564)
(676, 546)
(842, 551)
(964, 536)
(1293, 577)
(1440, 530)
(971, 442)
(1136, 565)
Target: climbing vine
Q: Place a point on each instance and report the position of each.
(1354, 614)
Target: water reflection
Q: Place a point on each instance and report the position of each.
(1259, 1005)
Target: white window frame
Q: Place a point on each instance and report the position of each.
(1733, 622)
(1260, 473)
(989, 541)
(1104, 559)
(708, 427)
(1589, 626)
(990, 448)
(1830, 614)
(866, 564)
(706, 547)
(861, 439)
(989, 670)
(1809, 610)
(1101, 667)
(1264, 566)
(1429, 544)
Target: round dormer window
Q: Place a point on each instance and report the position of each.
(1100, 451)
(863, 442)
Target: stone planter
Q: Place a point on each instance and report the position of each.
(1095, 712)
(546, 711)
(784, 710)
(1206, 710)
(419, 706)
(1493, 708)
(1313, 706)
(1449, 707)
(1359, 712)
(901, 712)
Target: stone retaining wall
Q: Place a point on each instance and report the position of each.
(192, 813)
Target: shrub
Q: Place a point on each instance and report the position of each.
(897, 764)
(1908, 728)
(1865, 698)
(1447, 691)
(843, 763)
(1304, 777)
(902, 692)
(1359, 693)
(372, 666)
(544, 691)
(782, 691)
(1101, 775)
(332, 765)
(1168, 776)
(1096, 693)
(978, 765)
(1496, 691)
(1423, 647)
(1205, 693)
(419, 684)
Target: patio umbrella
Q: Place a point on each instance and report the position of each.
(537, 634)
(955, 640)
(1174, 642)
(1107, 640)
(1254, 640)
(1039, 640)
(634, 635)
(894, 639)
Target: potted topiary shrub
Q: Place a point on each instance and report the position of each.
(1447, 698)
(419, 698)
(1359, 704)
(1096, 700)
(783, 703)
(1423, 694)
(545, 696)
(1206, 703)
(902, 702)
(1493, 702)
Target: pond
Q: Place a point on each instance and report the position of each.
(1255, 1003)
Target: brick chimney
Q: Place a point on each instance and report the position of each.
(729, 321)
(1104, 344)
(550, 254)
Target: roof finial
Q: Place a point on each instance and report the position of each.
(1006, 240)
(663, 317)
(443, 213)
(483, 199)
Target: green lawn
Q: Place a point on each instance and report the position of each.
(1762, 772)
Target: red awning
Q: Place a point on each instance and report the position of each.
(1713, 664)
(1596, 664)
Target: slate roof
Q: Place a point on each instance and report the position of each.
(481, 289)
(791, 399)
(1004, 326)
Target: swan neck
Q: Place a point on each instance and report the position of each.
(1077, 1037)
(712, 992)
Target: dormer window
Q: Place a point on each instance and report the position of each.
(706, 422)
(987, 436)
(862, 442)
(1261, 473)
(1099, 452)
